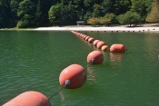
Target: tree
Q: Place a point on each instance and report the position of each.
(142, 7)
(115, 6)
(61, 14)
(26, 14)
(54, 13)
(25, 21)
(14, 4)
(121, 6)
(153, 16)
(42, 8)
(33, 13)
(88, 15)
(129, 18)
(104, 21)
(87, 3)
(111, 17)
(107, 6)
(96, 10)
(93, 21)
(98, 21)
(5, 14)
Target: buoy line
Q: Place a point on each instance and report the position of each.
(101, 45)
(71, 77)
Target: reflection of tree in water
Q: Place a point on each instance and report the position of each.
(62, 98)
(90, 76)
(116, 58)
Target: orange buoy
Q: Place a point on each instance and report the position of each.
(117, 48)
(75, 74)
(29, 98)
(82, 35)
(95, 42)
(86, 38)
(90, 40)
(104, 48)
(95, 57)
(100, 44)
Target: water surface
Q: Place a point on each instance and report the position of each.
(33, 60)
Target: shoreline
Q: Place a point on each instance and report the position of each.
(147, 27)
(104, 29)
(124, 28)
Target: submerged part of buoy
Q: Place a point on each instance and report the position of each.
(104, 48)
(95, 57)
(75, 74)
(29, 98)
(117, 48)
(100, 44)
(95, 42)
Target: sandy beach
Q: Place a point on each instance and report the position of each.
(105, 29)
(124, 28)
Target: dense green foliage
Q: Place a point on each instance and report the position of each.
(153, 16)
(129, 18)
(36, 13)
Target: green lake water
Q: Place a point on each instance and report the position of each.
(33, 60)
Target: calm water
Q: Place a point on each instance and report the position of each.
(33, 60)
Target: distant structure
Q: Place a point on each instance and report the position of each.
(80, 23)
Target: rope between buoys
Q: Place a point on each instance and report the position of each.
(67, 82)
(90, 63)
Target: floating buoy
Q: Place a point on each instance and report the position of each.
(104, 48)
(90, 40)
(95, 42)
(100, 44)
(29, 98)
(86, 38)
(117, 48)
(95, 57)
(75, 74)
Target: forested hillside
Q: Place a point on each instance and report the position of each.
(37, 13)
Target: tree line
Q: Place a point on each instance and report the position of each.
(38, 13)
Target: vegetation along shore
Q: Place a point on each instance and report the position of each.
(39, 13)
